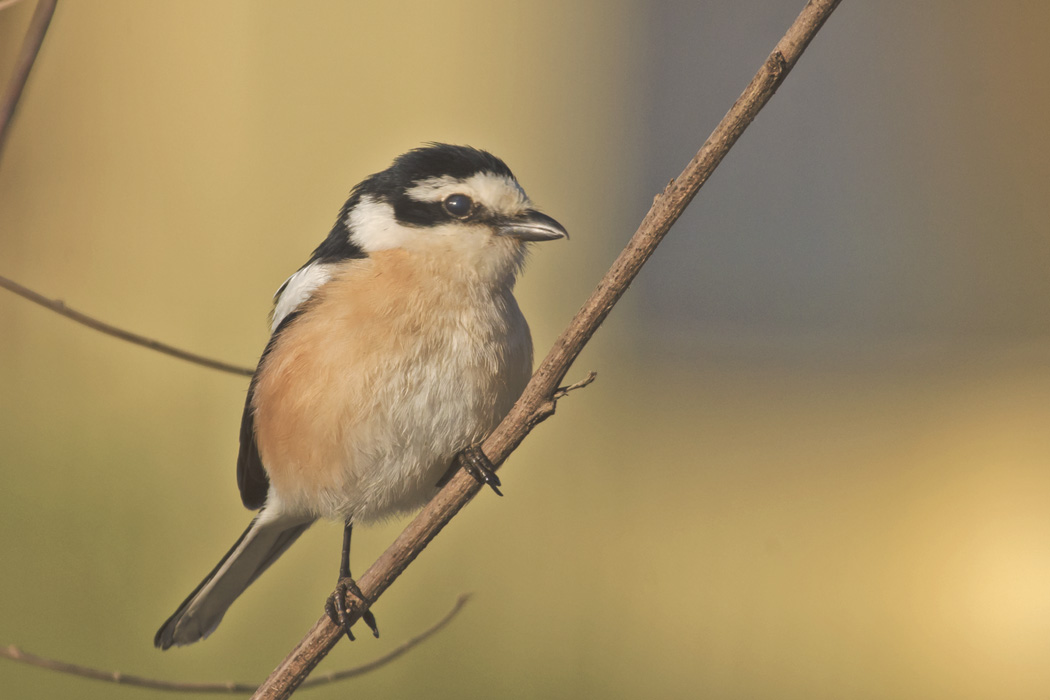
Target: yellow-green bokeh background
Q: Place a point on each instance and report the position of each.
(816, 462)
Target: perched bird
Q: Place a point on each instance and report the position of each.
(396, 346)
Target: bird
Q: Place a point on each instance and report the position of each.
(398, 345)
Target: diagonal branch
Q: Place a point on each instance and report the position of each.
(229, 688)
(59, 307)
(537, 402)
(30, 48)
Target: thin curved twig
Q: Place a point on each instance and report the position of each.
(537, 401)
(230, 688)
(335, 676)
(38, 25)
(59, 307)
(30, 48)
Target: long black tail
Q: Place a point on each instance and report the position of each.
(261, 544)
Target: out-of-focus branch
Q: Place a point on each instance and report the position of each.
(38, 25)
(59, 307)
(538, 401)
(30, 48)
(228, 688)
(4, 4)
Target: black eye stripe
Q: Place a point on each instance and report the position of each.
(414, 213)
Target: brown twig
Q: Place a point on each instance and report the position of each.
(537, 402)
(59, 307)
(230, 688)
(30, 48)
(564, 391)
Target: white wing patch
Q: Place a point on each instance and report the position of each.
(298, 289)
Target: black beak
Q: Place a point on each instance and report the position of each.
(531, 226)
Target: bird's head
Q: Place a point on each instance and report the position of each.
(448, 202)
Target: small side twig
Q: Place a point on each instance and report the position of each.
(563, 391)
(547, 408)
(59, 307)
(230, 688)
(30, 48)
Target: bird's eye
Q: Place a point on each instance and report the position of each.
(458, 205)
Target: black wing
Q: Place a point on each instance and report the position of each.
(251, 477)
(337, 247)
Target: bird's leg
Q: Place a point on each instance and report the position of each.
(336, 606)
(479, 467)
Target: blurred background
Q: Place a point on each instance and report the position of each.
(816, 462)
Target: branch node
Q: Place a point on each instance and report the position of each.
(777, 65)
(547, 408)
(544, 411)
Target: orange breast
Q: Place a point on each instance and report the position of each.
(360, 366)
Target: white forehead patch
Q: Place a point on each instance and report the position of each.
(497, 193)
(374, 226)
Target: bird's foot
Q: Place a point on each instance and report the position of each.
(479, 467)
(340, 610)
